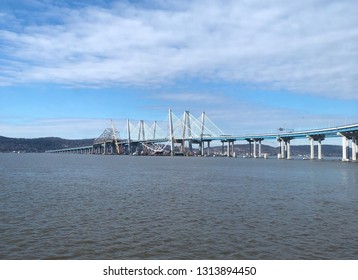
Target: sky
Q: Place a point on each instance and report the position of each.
(68, 67)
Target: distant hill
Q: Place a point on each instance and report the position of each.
(39, 145)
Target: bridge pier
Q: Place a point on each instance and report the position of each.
(260, 149)
(250, 149)
(288, 147)
(257, 140)
(311, 148)
(254, 149)
(344, 148)
(285, 147)
(319, 156)
(281, 155)
(233, 148)
(282, 145)
(354, 148)
(191, 146)
(229, 148)
(99, 149)
(202, 147)
(346, 136)
(319, 138)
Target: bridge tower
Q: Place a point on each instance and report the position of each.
(129, 144)
(186, 132)
(171, 132)
(154, 129)
(202, 133)
(141, 130)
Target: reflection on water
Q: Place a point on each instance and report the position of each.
(109, 207)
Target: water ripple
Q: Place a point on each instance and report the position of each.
(94, 207)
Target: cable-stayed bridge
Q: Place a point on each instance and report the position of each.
(178, 135)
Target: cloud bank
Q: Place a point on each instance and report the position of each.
(303, 46)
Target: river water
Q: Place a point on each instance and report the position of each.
(56, 206)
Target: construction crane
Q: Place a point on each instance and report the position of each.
(281, 129)
(115, 137)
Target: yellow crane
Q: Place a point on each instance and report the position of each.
(115, 137)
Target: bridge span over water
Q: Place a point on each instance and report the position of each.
(178, 135)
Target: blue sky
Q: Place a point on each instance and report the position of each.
(68, 67)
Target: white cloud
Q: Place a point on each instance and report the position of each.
(65, 128)
(187, 97)
(304, 46)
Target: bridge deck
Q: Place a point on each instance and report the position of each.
(348, 131)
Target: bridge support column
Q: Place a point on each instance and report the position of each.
(250, 140)
(182, 146)
(319, 156)
(190, 146)
(208, 148)
(260, 154)
(230, 148)
(319, 138)
(344, 148)
(346, 136)
(312, 148)
(285, 147)
(255, 149)
(282, 148)
(354, 148)
(257, 141)
(288, 146)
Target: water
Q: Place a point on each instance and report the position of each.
(108, 207)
